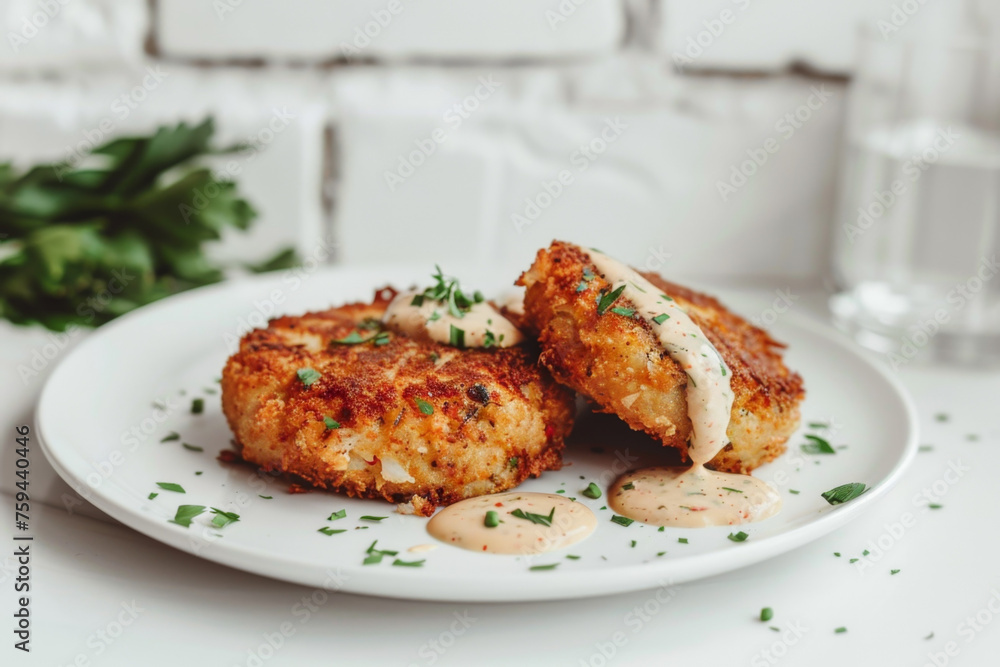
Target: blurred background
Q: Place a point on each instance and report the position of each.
(704, 139)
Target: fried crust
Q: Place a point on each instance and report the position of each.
(619, 364)
(498, 417)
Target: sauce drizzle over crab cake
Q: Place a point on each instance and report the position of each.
(348, 399)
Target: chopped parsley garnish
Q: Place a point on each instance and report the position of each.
(794, 492)
(682, 540)
(375, 555)
(844, 493)
(339, 514)
(492, 519)
(865, 552)
(185, 513)
(628, 487)
(353, 338)
(331, 423)
(621, 520)
(222, 518)
(152, 495)
(170, 486)
(837, 554)
(381, 338)
(738, 537)
(512, 461)
(592, 491)
(854, 560)
(935, 506)
(456, 336)
(608, 299)
(424, 406)
(661, 318)
(536, 568)
(170, 437)
(409, 563)
(818, 425)
(193, 448)
(197, 406)
(817, 446)
(572, 557)
(265, 497)
(893, 571)
(840, 631)
(665, 297)
(661, 529)
(447, 291)
(368, 517)
(726, 488)
(326, 530)
(541, 519)
(766, 614)
(560, 490)
(660, 553)
(624, 312)
(490, 339)
(307, 376)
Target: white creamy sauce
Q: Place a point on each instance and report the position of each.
(660, 495)
(481, 326)
(464, 524)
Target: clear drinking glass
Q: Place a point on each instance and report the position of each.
(918, 220)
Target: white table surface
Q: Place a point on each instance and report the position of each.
(103, 594)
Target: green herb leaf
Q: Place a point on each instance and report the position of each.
(817, 446)
(572, 557)
(661, 318)
(624, 312)
(726, 488)
(307, 376)
(222, 518)
(170, 437)
(513, 461)
(844, 493)
(331, 423)
(265, 497)
(608, 299)
(170, 486)
(424, 406)
(197, 406)
(538, 568)
(152, 495)
(193, 448)
(339, 514)
(682, 540)
(185, 513)
(766, 614)
(367, 517)
(738, 537)
(456, 336)
(326, 530)
(592, 491)
(410, 563)
(840, 631)
(541, 519)
(491, 520)
(622, 520)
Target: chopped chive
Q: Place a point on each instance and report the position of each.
(368, 517)
(339, 514)
(572, 557)
(409, 563)
(738, 537)
(197, 406)
(265, 497)
(682, 540)
(608, 299)
(592, 491)
(331, 423)
(840, 631)
(766, 614)
(456, 336)
(193, 448)
(326, 530)
(935, 506)
(550, 566)
(624, 312)
(492, 519)
(621, 520)
(794, 491)
(633, 544)
(152, 495)
(726, 488)
(818, 425)
(893, 571)
(223, 518)
(661, 318)
(628, 487)
(173, 435)
(185, 513)
(424, 406)
(353, 338)
(541, 519)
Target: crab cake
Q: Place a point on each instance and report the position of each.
(336, 399)
(617, 361)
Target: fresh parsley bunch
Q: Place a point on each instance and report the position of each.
(82, 244)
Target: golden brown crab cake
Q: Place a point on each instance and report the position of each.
(393, 418)
(618, 362)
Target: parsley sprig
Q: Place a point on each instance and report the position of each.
(447, 291)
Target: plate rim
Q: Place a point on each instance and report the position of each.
(558, 585)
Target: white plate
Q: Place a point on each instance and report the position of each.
(101, 432)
